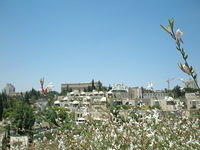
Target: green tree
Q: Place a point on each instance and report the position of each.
(57, 116)
(1, 107)
(50, 116)
(64, 91)
(89, 89)
(109, 87)
(35, 94)
(104, 88)
(27, 97)
(6, 103)
(85, 90)
(5, 100)
(177, 92)
(23, 118)
(99, 86)
(191, 90)
(93, 86)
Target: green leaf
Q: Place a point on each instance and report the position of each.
(171, 23)
(195, 76)
(178, 48)
(191, 68)
(183, 52)
(166, 29)
(186, 56)
(180, 65)
(181, 40)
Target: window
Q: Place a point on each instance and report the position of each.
(170, 103)
(194, 103)
(157, 103)
(79, 115)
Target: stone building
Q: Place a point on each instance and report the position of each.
(155, 94)
(80, 86)
(135, 92)
(192, 101)
(9, 89)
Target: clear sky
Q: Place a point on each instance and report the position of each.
(108, 40)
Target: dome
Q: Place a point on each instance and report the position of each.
(101, 92)
(75, 102)
(88, 97)
(57, 102)
(103, 99)
(95, 93)
(65, 98)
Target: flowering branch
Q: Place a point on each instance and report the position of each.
(185, 67)
(45, 90)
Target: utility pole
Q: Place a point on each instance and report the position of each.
(168, 82)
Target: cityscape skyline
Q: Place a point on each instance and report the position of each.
(76, 41)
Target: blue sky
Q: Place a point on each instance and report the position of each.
(108, 40)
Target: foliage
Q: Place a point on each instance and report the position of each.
(177, 92)
(22, 118)
(93, 86)
(7, 104)
(191, 90)
(5, 142)
(51, 116)
(155, 107)
(99, 86)
(31, 96)
(1, 108)
(109, 87)
(104, 88)
(52, 95)
(89, 89)
(57, 116)
(66, 90)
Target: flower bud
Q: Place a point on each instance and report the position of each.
(178, 35)
(184, 68)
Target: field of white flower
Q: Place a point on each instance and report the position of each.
(149, 129)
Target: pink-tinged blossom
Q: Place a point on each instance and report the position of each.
(185, 68)
(46, 89)
(179, 33)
